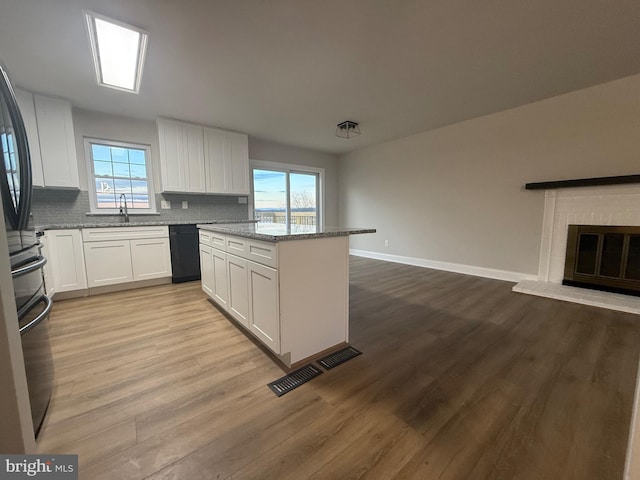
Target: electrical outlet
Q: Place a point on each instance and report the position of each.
(242, 200)
(185, 204)
(165, 205)
(386, 243)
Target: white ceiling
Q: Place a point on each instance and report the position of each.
(290, 70)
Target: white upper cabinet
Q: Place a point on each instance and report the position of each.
(49, 126)
(193, 158)
(171, 164)
(215, 154)
(57, 142)
(197, 159)
(239, 164)
(181, 156)
(226, 161)
(28, 111)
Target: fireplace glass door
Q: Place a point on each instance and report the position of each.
(603, 257)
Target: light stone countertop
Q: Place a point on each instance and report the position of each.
(73, 226)
(277, 232)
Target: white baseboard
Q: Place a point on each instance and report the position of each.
(449, 267)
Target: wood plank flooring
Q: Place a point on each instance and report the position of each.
(460, 379)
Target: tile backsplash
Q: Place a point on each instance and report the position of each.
(72, 207)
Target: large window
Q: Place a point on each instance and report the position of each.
(119, 172)
(287, 194)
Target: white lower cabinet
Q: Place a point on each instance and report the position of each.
(66, 260)
(220, 281)
(96, 257)
(108, 263)
(238, 288)
(206, 269)
(263, 305)
(150, 258)
(126, 254)
(293, 296)
(246, 290)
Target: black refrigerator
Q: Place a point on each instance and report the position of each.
(32, 303)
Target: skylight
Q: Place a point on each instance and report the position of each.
(118, 52)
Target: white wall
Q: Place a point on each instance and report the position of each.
(87, 123)
(456, 194)
(275, 152)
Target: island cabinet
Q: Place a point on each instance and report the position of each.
(263, 306)
(206, 269)
(290, 295)
(220, 277)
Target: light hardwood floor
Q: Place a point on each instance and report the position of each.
(460, 379)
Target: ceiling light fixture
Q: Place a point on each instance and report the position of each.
(118, 52)
(347, 129)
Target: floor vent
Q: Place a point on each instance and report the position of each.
(339, 357)
(294, 379)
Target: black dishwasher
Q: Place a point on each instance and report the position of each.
(185, 254)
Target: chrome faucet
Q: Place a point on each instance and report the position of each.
(126, 210)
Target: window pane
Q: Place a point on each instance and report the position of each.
(138, 171)
(141, 201)
(122, 186)
(102, 169)
(106, 200)
(7, 160)
(137, 157)
(139, 187)
(120, 199)
(119, 155)
(121, 170)
(270, 196)
(100, 152)
(303, 198)
(104, 186)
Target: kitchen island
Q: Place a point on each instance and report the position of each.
(288, 286)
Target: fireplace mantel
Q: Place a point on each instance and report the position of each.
(584, 182)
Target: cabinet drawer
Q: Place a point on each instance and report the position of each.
(236, 246)
(265, 253)
(124, 233)
(218, 241)
(205, 237)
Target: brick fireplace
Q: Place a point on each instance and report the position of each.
(592, 205)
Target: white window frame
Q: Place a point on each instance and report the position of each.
(93, 199)
(288, 168)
